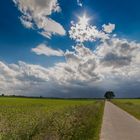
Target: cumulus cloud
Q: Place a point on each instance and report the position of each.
(113, 63)
(35, 15)
(81, 32)
(17, 78)
(28, 79)
(43, 49)
(108, 28)
(80, 66)
(118, 53)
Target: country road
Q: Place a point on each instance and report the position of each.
(118, 124)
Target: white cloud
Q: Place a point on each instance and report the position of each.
(113, 63)
(79, 2)
(35, 14)
(118, 53)
(27, 24)
(81, 32)
(108, 28)
(42, 49)
(17, 78)
(84, 69)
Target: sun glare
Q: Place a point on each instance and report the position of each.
(84, 20)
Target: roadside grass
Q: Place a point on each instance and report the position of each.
(50, 119)
(132, 106)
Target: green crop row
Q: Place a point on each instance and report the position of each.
(38, 119)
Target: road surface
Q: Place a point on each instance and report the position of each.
(118, 124)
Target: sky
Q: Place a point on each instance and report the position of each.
(76, 48)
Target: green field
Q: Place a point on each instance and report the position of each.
(51, 119)
(132, 106)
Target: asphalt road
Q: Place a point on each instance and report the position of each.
(118, 124)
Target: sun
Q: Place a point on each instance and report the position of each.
(84, 20)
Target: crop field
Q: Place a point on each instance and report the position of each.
(132, 106)
(50, 119)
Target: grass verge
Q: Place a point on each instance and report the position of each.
(132, 106)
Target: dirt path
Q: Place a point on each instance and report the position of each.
(119, 125)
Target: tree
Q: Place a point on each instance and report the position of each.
(109, 95)
(40, 96)
(2, 94)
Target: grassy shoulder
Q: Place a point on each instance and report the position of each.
(37, 119)
(132, 106)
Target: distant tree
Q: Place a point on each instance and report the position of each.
(109, 95)
(40, 96)
(2, 94)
